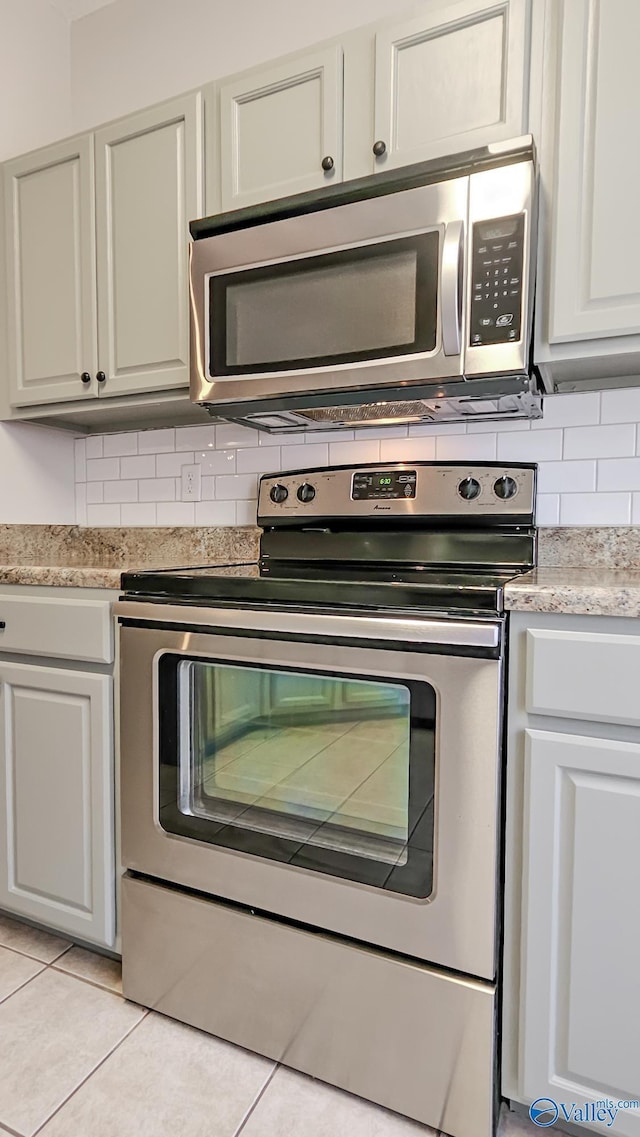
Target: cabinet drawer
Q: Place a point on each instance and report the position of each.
(62, 628)
(583, 675)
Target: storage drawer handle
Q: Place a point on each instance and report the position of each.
(3, 624)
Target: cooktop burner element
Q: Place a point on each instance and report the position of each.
(428, 535)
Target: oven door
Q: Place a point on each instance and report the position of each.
(342, 772)
(362, 295)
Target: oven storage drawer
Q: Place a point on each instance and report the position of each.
(57, 627)
(583, 675)
(401, 1034)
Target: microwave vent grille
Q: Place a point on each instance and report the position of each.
(368, 412)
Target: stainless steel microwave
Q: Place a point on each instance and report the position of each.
(401, 297)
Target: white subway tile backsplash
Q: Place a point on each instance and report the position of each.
(120, 491)
(216, 512)
(589, 467)
(156, 441)
(341, 453)
(216, 461)
(619, 474)
(236, 487)
(229, 435)
(621, 406)
(408, 450)
(581, 409)
(118, 445)
(157, 489)
(305, 457)
(95, 492)
(600, 441)
(80, 459)
(466, 448)
(93, 445)
(140, 513)
(245, 513)
(566, 477)
(176, 513)
(548, 509)
(170, 465)
(532, 446)
(101, 469)
(196, 437)
(81, 503)
(252, 461)
(142, 467)
(103, 515)
(595, 509)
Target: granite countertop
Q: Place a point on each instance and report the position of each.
(71, 557)
(576, 591)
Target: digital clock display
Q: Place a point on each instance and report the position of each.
(388, 485)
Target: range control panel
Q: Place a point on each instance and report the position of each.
(496, 281)
(416, 489)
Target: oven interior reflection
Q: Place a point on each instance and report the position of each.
(310, 757)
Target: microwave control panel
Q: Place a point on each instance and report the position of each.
(496, 281)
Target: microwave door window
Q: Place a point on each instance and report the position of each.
(348, 306)
(329, 773)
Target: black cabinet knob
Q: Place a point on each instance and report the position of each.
(101, 377)
(379, 148)
(328, 163)
(85, 377)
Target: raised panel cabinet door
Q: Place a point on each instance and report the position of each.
(278, 127)
(51, 274)
(149, 185)
(450, 80)
(57, 791)
(595, 257)
(580, 994)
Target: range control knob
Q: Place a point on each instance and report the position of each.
(469, 489)
(306, 492)
(278, 493)
(505, 487)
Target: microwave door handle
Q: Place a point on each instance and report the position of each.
(452, 288)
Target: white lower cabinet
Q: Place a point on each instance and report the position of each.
(581, 1005)
(57, 791)
(572, 908)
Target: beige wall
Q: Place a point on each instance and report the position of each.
(35, 78)
(136, 52)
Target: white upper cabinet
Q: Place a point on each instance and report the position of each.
(595, 253)
(281, 129)
(449, 80)
(51, 274)
(149, 186)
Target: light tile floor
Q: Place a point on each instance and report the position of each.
(78, 1060)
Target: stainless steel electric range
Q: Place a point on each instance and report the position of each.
(311, 782)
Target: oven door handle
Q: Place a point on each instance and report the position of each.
(452, 288)
(446, 633)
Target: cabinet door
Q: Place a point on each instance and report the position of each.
(581, 981)
(148, 188)
(450, 80)
(57, 790)
(51, 274)
(595, 258)
(277, 126)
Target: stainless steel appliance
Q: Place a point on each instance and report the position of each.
(402, 297)
(311, 779)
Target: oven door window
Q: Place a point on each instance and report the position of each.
(343, 307)
(327, 772)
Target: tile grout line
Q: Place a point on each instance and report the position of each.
(85, 979)
(25, 984)
(90, 1074)
(256, 1101)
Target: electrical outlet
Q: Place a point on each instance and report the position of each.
(191, 482)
